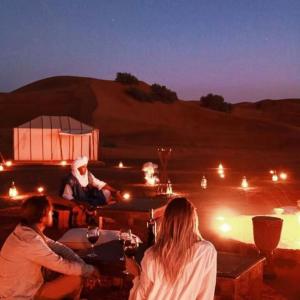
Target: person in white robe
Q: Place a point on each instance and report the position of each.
(83, 187)
(180, 265)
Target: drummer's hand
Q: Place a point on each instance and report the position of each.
(132, 266)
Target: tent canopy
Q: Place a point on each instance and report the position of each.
(55, 138)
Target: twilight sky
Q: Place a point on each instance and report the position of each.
(241, 49)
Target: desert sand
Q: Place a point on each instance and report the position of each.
(249, 141)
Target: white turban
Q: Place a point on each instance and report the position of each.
(79, 162)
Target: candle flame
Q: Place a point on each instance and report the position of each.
(40, 189)
(63, 163)
(283, 176)
(126, 196)
(8, 163)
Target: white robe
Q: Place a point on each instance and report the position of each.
(197, 282)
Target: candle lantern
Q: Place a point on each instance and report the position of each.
(274, 177)
(244, 183)
(169, 189)
(126, 196)
(283, 176)
(204, 183)
(13, 192)
(63, 163)
(8, 163)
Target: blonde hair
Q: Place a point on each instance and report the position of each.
(177, 234)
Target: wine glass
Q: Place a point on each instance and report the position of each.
(131, 246)
(92, 235)
(124, 235)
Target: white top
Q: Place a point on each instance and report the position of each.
(22, 256)
(197, 281)
(68, 193)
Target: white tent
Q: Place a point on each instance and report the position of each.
(53, 138)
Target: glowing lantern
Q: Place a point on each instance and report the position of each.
(278, 210)
(271, 171)
(274, 177)
(8, 163)
(121, 165)
(63, 163)
(13, 192)
(169, 190)
(126, 196)
(225, 228)
(220, 169)
(204, 183)
(283, 176)
(244, 183)
(1, 168)
(40, 189)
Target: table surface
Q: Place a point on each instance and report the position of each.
(229, 265)
(137, 204)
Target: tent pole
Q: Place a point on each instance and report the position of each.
(60, 144)
(81, 139)
(43, 157)
(73, 147)
(90, 146)
(18, 143)
(51, 137)
(30, 140)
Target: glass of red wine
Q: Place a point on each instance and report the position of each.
(92, 234)
(124, 235)
(130, 247)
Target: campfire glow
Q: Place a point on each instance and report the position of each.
(240, 228)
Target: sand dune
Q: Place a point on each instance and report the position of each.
(272, 125)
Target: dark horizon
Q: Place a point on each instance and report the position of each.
(235, 102)
(244, 51)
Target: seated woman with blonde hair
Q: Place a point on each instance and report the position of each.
(181, 265)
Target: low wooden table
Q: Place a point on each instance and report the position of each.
(239, 277)
(134, 212)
